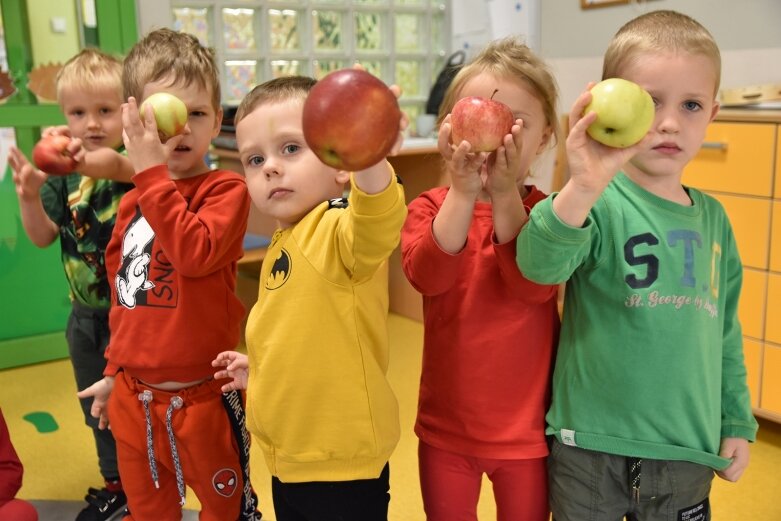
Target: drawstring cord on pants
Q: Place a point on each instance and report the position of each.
(635, 465)
(176, 403)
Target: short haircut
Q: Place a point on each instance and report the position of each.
(660, 31)
(509, 58)
(178, 57)
(274, 91)
(90, 70)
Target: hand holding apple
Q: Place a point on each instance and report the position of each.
(481, 122)
(170, 113)
(51, 155)
(351, 120)
(625, 112)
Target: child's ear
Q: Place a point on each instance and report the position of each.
(545, 141)
(714, 110)
(217, 122)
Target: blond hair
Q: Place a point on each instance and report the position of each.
(180, 58)
(659, 31)
(274, 91)
(512, 59)
(90, 70)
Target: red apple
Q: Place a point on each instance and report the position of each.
(482, 122)
(170, 113)
(50, 154)
(351, 119)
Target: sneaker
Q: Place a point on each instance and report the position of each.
(103, 505)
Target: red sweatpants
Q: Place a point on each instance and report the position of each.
(450, 484)
(213, 447)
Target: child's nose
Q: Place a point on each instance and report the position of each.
(667, 121)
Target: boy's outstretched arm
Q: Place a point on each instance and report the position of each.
(737, 450)
(102, 163)
(592, 165)
(28, 180)
(99, 391)
(236, 367)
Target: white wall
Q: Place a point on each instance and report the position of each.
(747, 32)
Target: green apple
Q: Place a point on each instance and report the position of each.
(170, 113)
(625, 112)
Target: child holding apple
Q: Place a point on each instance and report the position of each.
(649, 389)
(318, 400)
(489, 333)
(80, 208)
(172, 264)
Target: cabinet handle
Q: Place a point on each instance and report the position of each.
(714, 145)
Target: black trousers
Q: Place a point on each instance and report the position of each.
(359, 500)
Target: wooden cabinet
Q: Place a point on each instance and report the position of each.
(740, 165)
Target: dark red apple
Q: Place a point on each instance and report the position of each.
(50, 154)
(351, 119)
(480, 121)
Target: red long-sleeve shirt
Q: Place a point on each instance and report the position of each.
(171, 262)
(489, 338)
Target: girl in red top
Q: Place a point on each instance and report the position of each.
(489, 332)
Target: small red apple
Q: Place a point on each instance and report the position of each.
(351, 119)
(170, 113)
(50, 154)
(482, 122)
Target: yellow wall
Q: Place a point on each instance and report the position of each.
(49, 46)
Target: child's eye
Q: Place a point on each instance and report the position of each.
(291, 149)
(106, 110)
(197, 113)
(255, 160)
(692, 106)
(77, 113)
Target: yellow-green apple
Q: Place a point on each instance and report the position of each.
(482, 122)
(625, 112)
(50, 154)
(351, 119)
(170, 113)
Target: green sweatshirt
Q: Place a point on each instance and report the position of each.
(650, 359)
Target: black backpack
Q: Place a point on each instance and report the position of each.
(446, 75)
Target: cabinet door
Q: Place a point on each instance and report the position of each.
(775, 232)
(752, 352)
(770, 399)
(778, 167)
(736, 158)
(751, 308)
(750, 218)
(773, 313)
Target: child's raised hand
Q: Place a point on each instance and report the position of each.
(99, 392)
(236, 367)
(504, 165)
(28, 180)
(737, 450)
(142, 141)
(58, 130)
(592, 165)
(464, 167)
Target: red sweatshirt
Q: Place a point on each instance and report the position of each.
(11, 469)
(489, 338)
(172, 266)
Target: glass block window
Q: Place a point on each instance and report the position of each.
(238, 29)
(194, 21)
(400, 41)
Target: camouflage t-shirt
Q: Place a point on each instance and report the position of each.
(85, 210)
